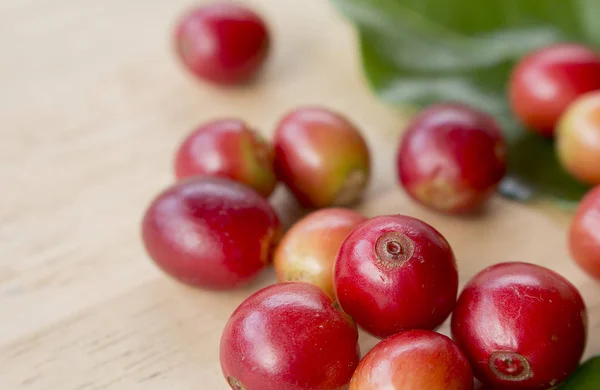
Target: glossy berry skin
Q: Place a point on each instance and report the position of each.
(228, 148)
(584, 234)
(223, 42)
(578, 139)
(414, 360)
(451, 158)
(289, 336)
(210, 232)
(308, 250)
(395, 273)
(321, 157)
(548, 80)
(522, 326)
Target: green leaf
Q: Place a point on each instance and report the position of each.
(533, 165)
(425, 51)
(586, 377)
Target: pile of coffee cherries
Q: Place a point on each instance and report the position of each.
(514, 325)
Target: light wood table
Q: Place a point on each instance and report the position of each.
(92, 106)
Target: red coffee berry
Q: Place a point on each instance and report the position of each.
(321, 157)
(289, 336)
(451, 158)
(210, 232)
(222, 42)
(548, 80)
(584, 234)
(522, 326)
(395, 273)
(228, 148)
(414, 360)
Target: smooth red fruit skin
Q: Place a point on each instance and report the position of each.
(228, 148)
(578, 138)
(395, 273)
(210, 232)
(522, 326)
(289, 336)
(584, 233)
(321, 157)
(223, 42)
(308, 250)
(414, 360)
(451, 158)
(546, 81)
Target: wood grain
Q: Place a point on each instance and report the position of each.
(93, 104)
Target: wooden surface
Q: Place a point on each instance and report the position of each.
(92, 105)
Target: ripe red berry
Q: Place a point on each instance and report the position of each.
(289, 336)
(414, 360)
(222, 42)
(307, 251)
(522, 326)
(547, 80)
(584, 234)
(321, 157)
(210, 232)
(451, 158)
(228, 148)
(395, 273)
